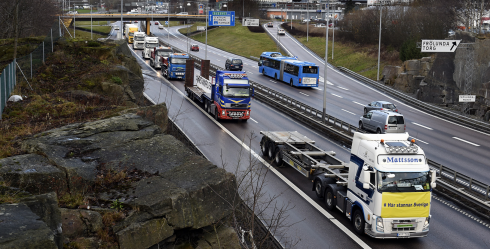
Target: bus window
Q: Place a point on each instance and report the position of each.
(310, 69)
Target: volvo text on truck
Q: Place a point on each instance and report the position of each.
(226, 96)
(385, 189)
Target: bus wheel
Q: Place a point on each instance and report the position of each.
(275, 76)
(263, 72)
(291, 82)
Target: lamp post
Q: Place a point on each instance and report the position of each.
(307, 18)
(379, 46)
(122, 26)
(74, 21)
(206, 47)
(226, 5)
(292, 11)
(91, 23)
(325, 71)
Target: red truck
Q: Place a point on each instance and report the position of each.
(157, 54)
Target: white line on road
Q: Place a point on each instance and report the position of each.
(254, 120)
(316, 88)
(337, 95)
(348, 112)
(343, 88)
(358, 103)
(423, 126)
(418, 140)
(462, 140)
(304, 94)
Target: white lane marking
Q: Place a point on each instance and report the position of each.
(343, 88)
(462, 211)
(423, 126)
(316, 88)
(254, 120)
(358, 103)
(304, 94)
(462, 140)
(321, 80)
(418, 140)
(277, 173)
(250, 73)
(348, 112)
(337, 95)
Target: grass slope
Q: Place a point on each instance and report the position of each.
(238, 40)
(96, 26)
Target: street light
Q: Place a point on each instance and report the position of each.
(225, 5)
(308, 18)
(121, 30)
(325, 70)
(91, 23)
(379, 47)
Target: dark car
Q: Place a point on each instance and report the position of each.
(195, 47)
(232, 64)
(270, 25)
(380, 105)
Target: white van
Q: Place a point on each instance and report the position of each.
(383, 122)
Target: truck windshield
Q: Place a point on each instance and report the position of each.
(236, 91)
(164, 53)
(404, 181)
(139, 38)
(131, 33)
(178, 60)
(151, 45)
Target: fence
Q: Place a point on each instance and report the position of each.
(26, 67)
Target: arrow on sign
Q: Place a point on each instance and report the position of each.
(454, 44)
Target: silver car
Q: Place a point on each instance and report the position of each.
(381, 106)
(383, 122)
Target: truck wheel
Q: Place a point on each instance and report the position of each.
(209, 108)
(329, 199)
(216, 114)
(318, 189)
(205, 105)
(263, 145)
(245, 120)
(278, 157)
(151, 63)
(358, 222)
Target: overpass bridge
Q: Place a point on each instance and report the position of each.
(137, 17)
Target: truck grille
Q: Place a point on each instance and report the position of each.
(403, 229)
(235, 114)
(239, 105)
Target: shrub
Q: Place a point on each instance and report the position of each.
(409, 51)
(93, 44)
(117, 80)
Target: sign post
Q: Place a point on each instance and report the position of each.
(221, 18)
(431, 46)
(250, 22)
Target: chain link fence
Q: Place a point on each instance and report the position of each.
(25, 68)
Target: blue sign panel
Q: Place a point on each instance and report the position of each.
(273, 5)
(166, 22)
(159, 3)
(221, 18)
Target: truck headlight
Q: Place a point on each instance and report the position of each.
(379, 224)
(426, 224)
(223, 112)
(247, 113)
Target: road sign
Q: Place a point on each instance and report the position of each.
(166, 22)
(201, 27)
(201, 9)
(431, 46)
(221, 18)
(467, 98)
(250, 22)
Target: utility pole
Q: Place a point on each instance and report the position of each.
(122, 26)
(206, 52)
(74, 21)
(379, 47)
(325, 71)
(308, 18)
(91, 23)
(16, 30)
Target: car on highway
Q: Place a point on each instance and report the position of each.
(116, 27)
(270, 25)
(195, 47)
(451, 33)
(380, 105)
(156, 23)
(160, 26)
(232, 64)
(382, 122)
(183, 13)
(281, 32)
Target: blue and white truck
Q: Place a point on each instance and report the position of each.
(226, 96)
(385, 189)
(173, 66)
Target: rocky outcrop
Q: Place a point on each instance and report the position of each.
(124, 166)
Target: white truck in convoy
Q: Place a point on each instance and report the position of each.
(139, 40)
(150, 43)
(385, 189)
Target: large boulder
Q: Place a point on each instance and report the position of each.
(32, 173)
(219, 237)
(80, 222)
(20, 228)
(145, 234)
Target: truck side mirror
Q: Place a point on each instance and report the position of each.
(260, 63)
(365, 180)
(433, 178)
(252, 90)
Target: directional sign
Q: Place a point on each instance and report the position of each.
(166, 22)
(431, 46)
(250, 22)
(201, 27)
(221, 18)
(201, 9)
(467, 98)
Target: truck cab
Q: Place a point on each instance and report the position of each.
(130, 29)
(157, 55)
(232, 95)
(139, 40)
(150, 44)
(173, 66)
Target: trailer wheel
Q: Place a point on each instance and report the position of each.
(270, 150)
(358, 221)
(278, 157)
(318, 189)
(329, 199)
(151, 63)
(205, 105)
(263, 146)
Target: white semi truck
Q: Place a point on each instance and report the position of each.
(139, 40)
(385, 188)
(150, 43)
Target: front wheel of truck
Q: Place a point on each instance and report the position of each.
(358, 221)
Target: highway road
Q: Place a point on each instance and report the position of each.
(314, 228)
(452, 145)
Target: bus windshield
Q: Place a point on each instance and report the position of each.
(404, 181)
(310, 69)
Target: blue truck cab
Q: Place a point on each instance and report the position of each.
(173, 66)
(227, 96)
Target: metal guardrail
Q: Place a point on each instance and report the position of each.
(430, 108)
(464, 186)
